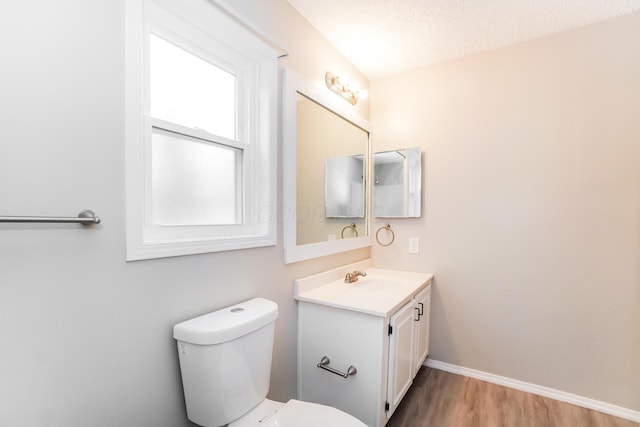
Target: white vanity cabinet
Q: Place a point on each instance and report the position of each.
(408, 346)
(402, 353)
(383, 333)
(421, 340)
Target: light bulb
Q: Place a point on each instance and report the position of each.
(353, 86)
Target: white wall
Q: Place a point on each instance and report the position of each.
(531, 217)
(85, 337)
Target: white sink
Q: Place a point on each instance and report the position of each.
(380, 292)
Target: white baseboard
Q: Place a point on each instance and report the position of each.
(562, 396)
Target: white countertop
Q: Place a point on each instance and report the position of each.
(380, 293)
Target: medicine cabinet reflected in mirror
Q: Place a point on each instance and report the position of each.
(344, 187)
(325, 147)
(397, 183)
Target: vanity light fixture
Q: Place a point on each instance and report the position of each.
(347, 90)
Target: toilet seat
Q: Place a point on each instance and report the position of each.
(296, 413)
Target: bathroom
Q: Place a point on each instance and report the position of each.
(530, 223)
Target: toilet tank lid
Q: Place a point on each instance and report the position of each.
(228, 323)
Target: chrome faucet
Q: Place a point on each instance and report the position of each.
(353, 277)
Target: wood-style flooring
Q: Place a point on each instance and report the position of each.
(443, 399)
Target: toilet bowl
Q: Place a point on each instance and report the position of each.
(296, 413)
(225, 362)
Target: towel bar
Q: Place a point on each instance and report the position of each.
(324, 364)
(86, 217)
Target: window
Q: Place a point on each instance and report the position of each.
(200, 131)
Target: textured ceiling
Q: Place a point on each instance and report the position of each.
(384, 37)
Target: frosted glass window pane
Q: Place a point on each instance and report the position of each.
(187, 90)
(193, 182)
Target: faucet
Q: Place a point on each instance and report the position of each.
(353, 277)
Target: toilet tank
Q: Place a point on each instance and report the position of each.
(225, 360)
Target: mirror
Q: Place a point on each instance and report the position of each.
(397, 183)
(344, 187)
(325, 147)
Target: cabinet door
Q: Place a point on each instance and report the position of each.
(421, 340)
(401, 355)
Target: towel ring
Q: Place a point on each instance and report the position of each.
(388, 228)
(352, 227)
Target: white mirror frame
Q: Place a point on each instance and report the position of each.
(294, 84)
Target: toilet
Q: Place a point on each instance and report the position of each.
(225, 361)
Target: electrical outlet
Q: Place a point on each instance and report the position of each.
(331, 237)
(414, 245)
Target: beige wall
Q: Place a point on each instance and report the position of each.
(87, 337)
(531, 217)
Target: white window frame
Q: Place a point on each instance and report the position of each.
(203, 29)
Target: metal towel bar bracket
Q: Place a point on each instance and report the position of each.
(324, 364)
(86, 217)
